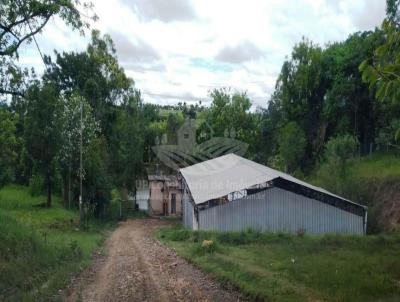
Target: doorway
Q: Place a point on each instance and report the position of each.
(173, 203)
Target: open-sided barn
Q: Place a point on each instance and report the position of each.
(231, 193)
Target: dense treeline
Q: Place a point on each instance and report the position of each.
(329, 103)
(319, 95)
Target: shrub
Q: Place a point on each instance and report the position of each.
(333, 171)
(340, 149)
(36, 185)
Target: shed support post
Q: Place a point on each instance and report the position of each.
(365, 221)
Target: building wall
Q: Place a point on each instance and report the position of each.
(142, 199)
(188, 211)
(178, 205)
(158, 196)
(278, 210)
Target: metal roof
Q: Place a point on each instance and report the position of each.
(229, 173)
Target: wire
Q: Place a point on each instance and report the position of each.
(30, 28)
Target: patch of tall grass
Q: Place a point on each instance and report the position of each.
(39, 247)
(282, 267)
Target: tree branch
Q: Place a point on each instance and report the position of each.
(11, 92)
(10, 50)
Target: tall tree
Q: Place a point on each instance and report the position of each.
(8, 145)
(230, 114)
(96, 74)
(43, 130)
(127, 145)
(292, 144)
(174, 122)
(70, 148)
(300, 91)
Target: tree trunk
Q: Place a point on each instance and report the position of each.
(65, 189)
(48, 176)
(69, 188)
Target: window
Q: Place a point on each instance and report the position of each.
(173, 203)
(186, 135)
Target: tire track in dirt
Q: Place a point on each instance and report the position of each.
(138, 268)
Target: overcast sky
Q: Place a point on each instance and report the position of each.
(177, 50)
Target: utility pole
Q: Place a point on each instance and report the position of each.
(80, 171)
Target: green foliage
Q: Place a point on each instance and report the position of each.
(42, 134)
(299, 92)
(36, 185)
(68, 157)
(40, 248)
(278, 267)
(340, 149)
(384, 72)
(8, 145)
(333, 172)
(127, 144)
(230, 116)
(96, 75)
(110, 96)
(322, 91)
(292, 144)
(369, 180)
(393, 11)
(97, 182)
(16, 16)
(20, 21)
(174, 122)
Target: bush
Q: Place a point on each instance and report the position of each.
(333, 171)
(36, 185)
(340, 149)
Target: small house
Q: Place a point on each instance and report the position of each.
(165, 196)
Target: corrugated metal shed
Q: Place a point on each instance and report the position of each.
(278, 210)
(270, 200)
(220, 176)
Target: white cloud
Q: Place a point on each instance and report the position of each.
(245, 51)
(178, 50)
(166, 11)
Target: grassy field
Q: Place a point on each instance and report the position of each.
(40, 248)
(377, 167)
(290, 268)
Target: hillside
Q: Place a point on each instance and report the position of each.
(40, 248)
(374, 181)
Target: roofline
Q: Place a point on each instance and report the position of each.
(337, 202)
(329, 199)
(298, 187)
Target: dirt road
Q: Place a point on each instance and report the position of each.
(136, 267)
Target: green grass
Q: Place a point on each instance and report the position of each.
(40, 248)
(377, 167)
(279, 267)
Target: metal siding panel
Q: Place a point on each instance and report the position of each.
(187, 214)
(277, 210)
